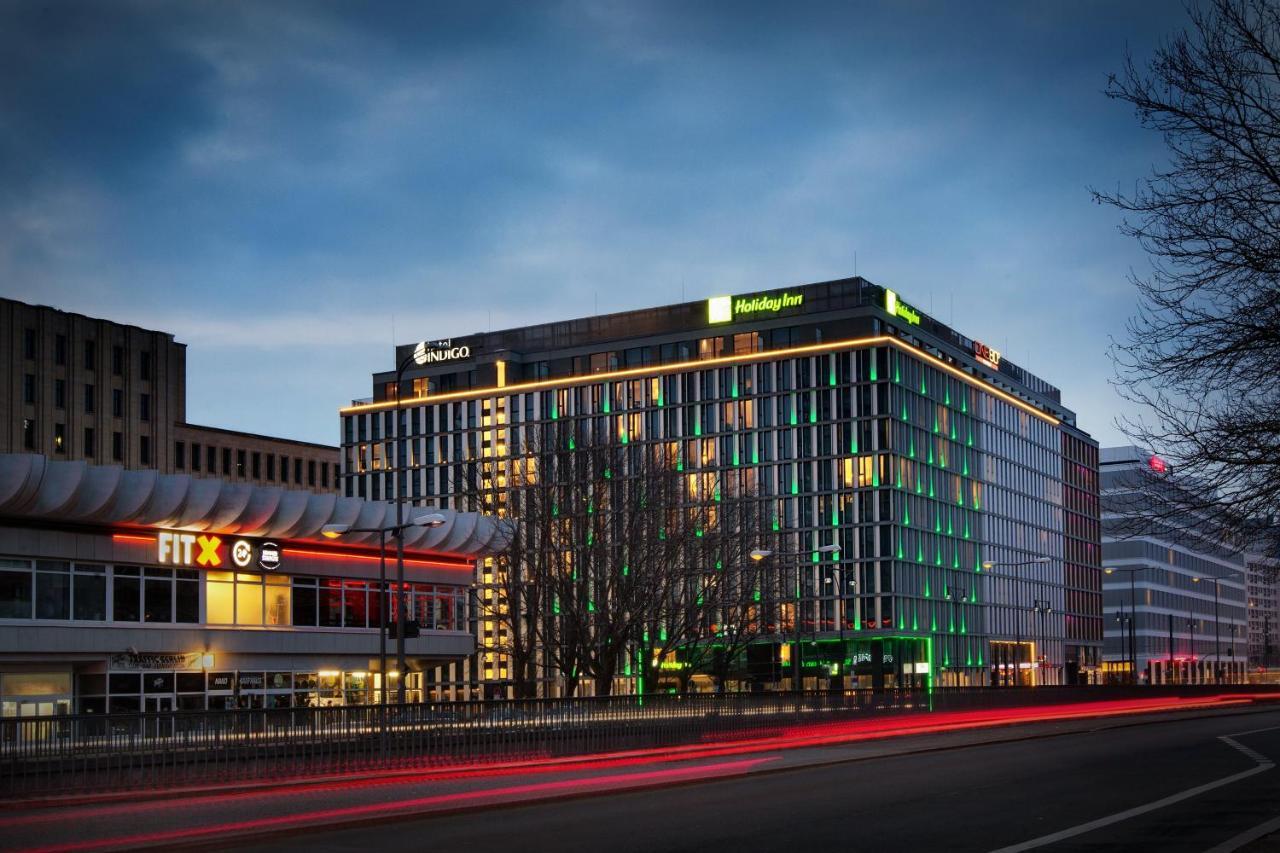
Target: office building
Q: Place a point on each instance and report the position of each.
(80, 388)
(921, 453)
(1173, 591)
(127, 591)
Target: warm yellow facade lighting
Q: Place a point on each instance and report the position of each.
(699, 364)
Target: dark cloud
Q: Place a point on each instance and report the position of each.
(293, 178)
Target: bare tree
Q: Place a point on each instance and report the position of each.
(1202, 356)
(618, 558)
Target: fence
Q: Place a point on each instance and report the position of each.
(83, 753)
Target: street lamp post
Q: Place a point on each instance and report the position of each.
(765, 553)
(1217, 634)
(1133, 609)
(838, 572)
(400, 479)
(987, 565)
(333, 531)
(956, 594)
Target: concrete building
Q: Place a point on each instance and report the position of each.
(75, 387)
(960, 492)
(1174, 594)
(128, 590)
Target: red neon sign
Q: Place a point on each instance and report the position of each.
(1155, 463)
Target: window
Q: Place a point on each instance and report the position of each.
(15, 589)
(195, 456)
(117, 403)
(144, 449)
(53, 589)
(257, 466)
(60, 350)
(28, 343)
(29, 433)
(144, 407)
(28, 388)
(179, 455)
(145, 359)
(311, 472)
(126, 594)
(90, 442)
(60, 393)
(89, 399)
(284, 469)
(89, 592)
(117, 361)
(157, 596)
(271, 467)
(211, 460)
(324, 474)
(240, 463)
(226, 461)
(297, 471)
(59, 438)
(117, 446)
(90, 355)
(247, 599)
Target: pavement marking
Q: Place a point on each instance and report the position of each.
(1238, 841)
(1263, 765)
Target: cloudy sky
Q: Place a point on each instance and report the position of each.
(290, 187)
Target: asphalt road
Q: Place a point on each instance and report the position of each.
(974, 798)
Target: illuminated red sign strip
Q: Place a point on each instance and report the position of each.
(435, 562)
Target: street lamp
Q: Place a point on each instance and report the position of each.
(1133, 609)
(988, 565)
(759, 554)
(1217, 634)
(334, 531)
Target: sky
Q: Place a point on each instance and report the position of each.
(292, 188)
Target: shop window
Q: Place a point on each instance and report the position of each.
(15, 589)
(53, 589)
(331, 603)
(187, 596)
(158, 596)
(125, 682)
(89, 592)
(248, 600)
(219, 598)
(190, 682)
(304, 601)
(126, 594)
(277, 600)
(355, 605)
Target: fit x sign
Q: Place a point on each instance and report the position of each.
(189, 549)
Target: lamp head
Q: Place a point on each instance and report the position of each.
(431, 519)
(333, 531)
(987, 564)
(759, 554)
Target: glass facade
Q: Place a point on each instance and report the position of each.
(899, 453)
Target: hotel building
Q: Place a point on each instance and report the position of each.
(922, 453)
(125, 591)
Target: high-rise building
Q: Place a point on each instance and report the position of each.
(80, 388)
(958, 488)
(1174, 590)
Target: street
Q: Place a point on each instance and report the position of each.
(976, 798)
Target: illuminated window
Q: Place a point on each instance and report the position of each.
(219, 596)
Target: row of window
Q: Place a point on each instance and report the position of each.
(90, 395)
(251, 465)
(93, 592)
(31, 351)
(89, 449)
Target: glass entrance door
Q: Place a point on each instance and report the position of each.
(159, 720)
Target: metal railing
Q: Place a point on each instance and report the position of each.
(85, 753)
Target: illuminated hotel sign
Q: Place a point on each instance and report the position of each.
(433, 352)
(898, 308)
(207, 551)
(723, 309)
(986, 355)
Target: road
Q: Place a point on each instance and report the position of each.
(968, 798)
